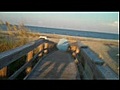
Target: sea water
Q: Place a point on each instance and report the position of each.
(70, 32)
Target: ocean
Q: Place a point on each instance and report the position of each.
(70, 32)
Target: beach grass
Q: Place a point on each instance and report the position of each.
(11, 38)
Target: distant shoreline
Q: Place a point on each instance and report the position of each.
(70, 29)
(80, 37)
(77, 37)
(70, 32)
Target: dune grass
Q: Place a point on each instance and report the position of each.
(13, 37)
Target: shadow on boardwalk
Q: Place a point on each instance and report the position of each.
(59, 65)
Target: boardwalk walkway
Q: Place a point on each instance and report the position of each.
(58, 65)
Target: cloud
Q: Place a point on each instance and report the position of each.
(115, 24)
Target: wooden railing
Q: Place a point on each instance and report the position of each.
(8, 57)
(90, 66)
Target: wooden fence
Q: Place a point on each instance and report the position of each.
(8, 57)
(91, 67)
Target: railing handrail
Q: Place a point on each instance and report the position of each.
(12, 55)
(13, 76)
(95, 64)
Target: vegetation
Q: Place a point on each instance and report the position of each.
(15, 36)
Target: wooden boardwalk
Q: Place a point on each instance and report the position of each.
(58, 65)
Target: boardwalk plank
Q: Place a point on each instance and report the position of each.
(59, 65)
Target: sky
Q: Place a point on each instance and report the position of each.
(107, 22)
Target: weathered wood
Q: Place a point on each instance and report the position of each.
(3, 72)
(73, 48)
(40, 60)
(89, 69)
(89, 55)
(94, 68)
(41, 47)
(10, 56)
(24, 67)
(60, 65)
(107, 73)
(81, 70)
(29, 57)
(18, 52)
(46, 45)
(77, 50)
(90, 61)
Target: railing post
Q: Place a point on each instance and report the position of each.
(41, 47)
(3, 72)
(46, 46)
(73, 48)
(29, 57)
